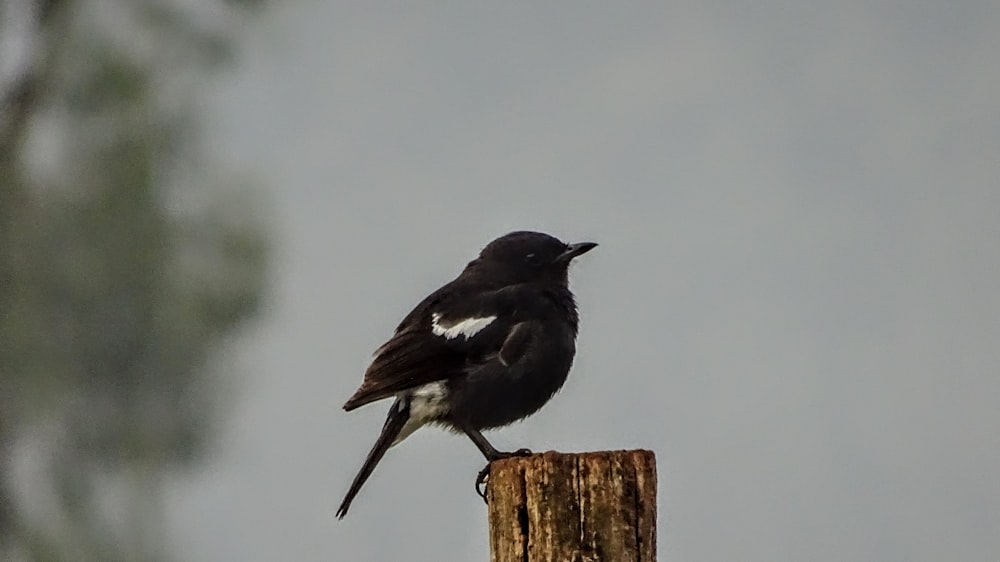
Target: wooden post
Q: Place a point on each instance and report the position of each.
(587, 507)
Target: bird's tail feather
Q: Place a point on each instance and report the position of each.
(399, 413)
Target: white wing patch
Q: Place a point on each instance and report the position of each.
(467, 327)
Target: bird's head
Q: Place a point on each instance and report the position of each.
(524, 257)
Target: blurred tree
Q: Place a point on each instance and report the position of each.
(122, 266)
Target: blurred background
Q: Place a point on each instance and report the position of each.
(212, 212)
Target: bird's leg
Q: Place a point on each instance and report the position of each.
(491, 455)
(487, 449)
(482, 444)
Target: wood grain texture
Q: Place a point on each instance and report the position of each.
(587, 507)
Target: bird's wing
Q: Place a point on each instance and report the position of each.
(439, 340)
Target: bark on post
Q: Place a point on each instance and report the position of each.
(586, 507)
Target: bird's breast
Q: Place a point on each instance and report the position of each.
(495, 394)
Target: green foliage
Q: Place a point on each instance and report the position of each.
(113, 296)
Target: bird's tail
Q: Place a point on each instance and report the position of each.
(399, 413)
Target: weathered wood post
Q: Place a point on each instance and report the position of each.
(587, 507)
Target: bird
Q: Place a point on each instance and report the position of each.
(487, 349)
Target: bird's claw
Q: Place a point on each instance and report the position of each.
(481, 483)
(482, 480)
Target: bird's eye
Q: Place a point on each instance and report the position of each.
(533, 259)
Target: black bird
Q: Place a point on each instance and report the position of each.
(487, 349)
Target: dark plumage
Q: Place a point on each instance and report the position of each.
(485, 350)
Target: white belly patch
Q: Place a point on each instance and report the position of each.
(427, 403)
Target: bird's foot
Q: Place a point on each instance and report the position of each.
(482, 480)
(498, 455)
(484, 475)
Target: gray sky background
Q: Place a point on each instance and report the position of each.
(796, 300)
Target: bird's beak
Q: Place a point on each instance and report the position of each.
(574, 250)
